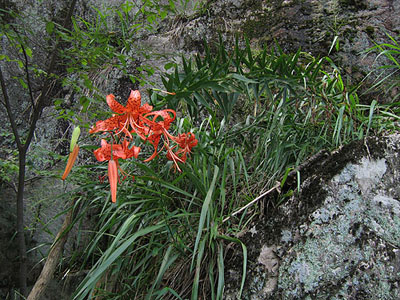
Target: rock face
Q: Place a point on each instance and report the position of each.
(339, 238)
(309, 24)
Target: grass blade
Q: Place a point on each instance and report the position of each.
(204, 211)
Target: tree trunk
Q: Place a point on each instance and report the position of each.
(24, 146)
(53, 257)
(20, 224)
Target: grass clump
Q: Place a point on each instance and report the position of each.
(387, 81)
(256, 116)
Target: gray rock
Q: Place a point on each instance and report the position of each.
(310, 25)
(339, 238)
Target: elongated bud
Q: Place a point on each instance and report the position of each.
(71, 160)
(113, 179)
(75, 136)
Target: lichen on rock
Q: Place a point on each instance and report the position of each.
(346, 245)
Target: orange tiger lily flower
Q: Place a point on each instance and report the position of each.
(151, 126)
(118, 151)
(185, 143)
(71, 160)
(157, 129)
(113, 152)
(129, 118)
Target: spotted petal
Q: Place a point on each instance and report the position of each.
(110, 124)
(134, 101)
(118, 151)
(114, 105)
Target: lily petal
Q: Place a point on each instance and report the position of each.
(114, 105)
(134, 101)
(109, 124)
(118, 151)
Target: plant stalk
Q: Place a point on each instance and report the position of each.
(53, 257)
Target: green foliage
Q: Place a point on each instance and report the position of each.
(389, 78)
(95, 46)
(257, 113)
(172, 212)
(8, 157)
(21, 51)
(8, 169)
(308, 92)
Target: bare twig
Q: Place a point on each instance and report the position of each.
(276, 186)
(28, 81)
(10, 114)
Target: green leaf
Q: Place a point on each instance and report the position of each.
(169, 65)
(107, 259)
(84, 101)
(213, 84)
(49, 27)
(23, 83)
(371, 113)
(171, 5)
(195, 288)
(221, 268)
(28, 51)
(164, 183)
(244, 249)
(242, 78)
(285, 176)
(163, 14)
(166, 262)
(204, 210)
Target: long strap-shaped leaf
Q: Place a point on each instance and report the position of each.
(106, 260)
(199, 255)
(203, 214)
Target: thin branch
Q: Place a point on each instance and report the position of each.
(28, 81)
(26, 69)
(47, 84)
(12, 186)
(10, 114)
(253, 201)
